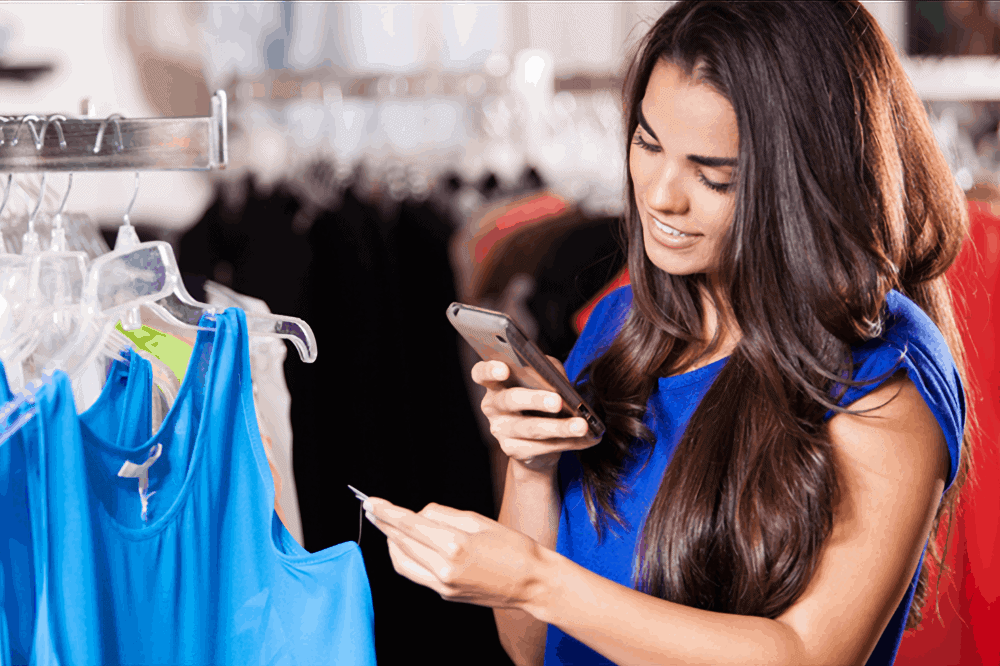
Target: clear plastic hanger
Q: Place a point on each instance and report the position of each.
(54, 282)
(20, 332)
(180, 307)
(57, 280)
(116, 283)
(134, 275)
(14, 279)
(55, 303)
(115, 287)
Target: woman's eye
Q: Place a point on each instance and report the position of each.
(718, 187)
(645, 145)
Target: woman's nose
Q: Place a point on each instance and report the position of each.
(665, 192)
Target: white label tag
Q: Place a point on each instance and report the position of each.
(131, 470)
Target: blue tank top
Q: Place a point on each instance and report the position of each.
(927, 361)
(198, 569)
(126, 384)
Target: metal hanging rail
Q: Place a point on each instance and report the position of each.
(56, 143)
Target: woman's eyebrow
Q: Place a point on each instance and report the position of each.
(711, 162)
(645, 125)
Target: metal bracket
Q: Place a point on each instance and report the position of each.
(122, 144)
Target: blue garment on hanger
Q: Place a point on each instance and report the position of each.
(208, 575)
(127, 383)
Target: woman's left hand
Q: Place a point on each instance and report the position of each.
(461, 555)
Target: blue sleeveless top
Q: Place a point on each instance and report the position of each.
(198, 569)
(927, 361)
(127, 383)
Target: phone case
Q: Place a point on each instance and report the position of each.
(496, 337)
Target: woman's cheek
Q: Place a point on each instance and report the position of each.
(638, 176)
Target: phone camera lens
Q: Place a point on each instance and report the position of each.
(501, 339)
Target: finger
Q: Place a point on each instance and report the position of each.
(538, 427)
(426, 531)
(518, 399)
(428, 558)
(410, 568)
(526, 450)
(490, 373)
(466, 521)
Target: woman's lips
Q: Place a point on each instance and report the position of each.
(671, 241)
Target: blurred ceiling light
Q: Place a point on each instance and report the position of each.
(386, 39)
(533, 69)
(465, 18)
(388, 24)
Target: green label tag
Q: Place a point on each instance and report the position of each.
(175, 353)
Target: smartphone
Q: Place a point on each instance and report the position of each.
(496, 337)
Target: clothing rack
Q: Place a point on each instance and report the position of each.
(56, 143)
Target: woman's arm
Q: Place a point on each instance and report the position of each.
(531, 498)
(531, 506)
(893, 463)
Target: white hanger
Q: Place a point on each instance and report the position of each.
(114, 286)
(118, 283)
(180, 307)
(62, 276)
(14, 272)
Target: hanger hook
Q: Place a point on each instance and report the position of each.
(114, 117)
(31, 125)
(6, 193)
(132, 203)
(62, 146)
(59, 130)
(62, 206)
(41, 196)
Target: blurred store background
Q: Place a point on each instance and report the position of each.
(386, 160)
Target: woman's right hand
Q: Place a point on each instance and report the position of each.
(533, 441)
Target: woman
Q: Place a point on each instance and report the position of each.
(790, 221)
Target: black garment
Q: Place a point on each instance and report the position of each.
(255, 250)
(529, 181)
(384, 407)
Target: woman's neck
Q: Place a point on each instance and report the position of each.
(697, 355)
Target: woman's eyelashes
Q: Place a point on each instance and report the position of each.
(718, 187)
(642, 143)
(648, 147)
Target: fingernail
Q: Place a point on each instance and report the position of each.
(367, 505)
(498, 372)
(551, 402)
(370, 516)
(578, 427)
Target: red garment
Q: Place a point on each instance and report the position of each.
(580, 319)
(537, 209)
(968, 597)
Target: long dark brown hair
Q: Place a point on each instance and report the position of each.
(841, 195)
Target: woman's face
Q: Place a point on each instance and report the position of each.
(682, 159)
